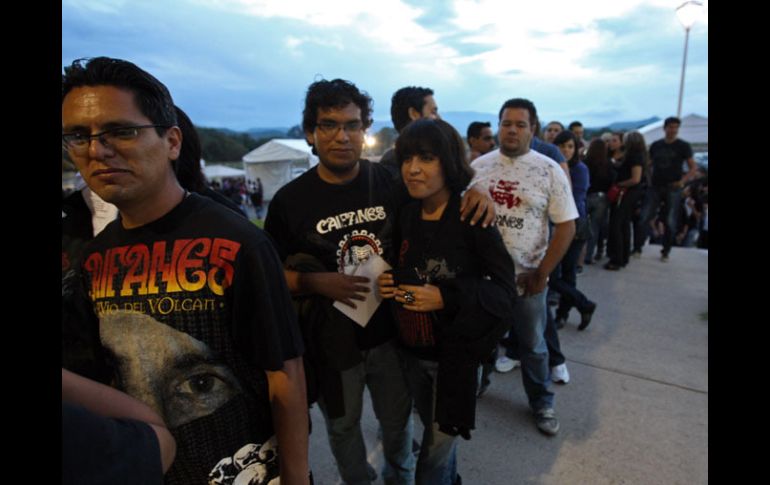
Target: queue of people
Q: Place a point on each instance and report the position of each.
(400, 277)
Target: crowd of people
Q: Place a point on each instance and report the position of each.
(401, 277)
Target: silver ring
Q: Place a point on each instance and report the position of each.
(409, 297)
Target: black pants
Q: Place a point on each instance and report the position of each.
(619, 240)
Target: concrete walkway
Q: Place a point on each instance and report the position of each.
(635, 410)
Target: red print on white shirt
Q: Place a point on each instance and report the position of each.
(502, 193)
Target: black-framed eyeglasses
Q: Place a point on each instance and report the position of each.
(331, 128)
(115, 138)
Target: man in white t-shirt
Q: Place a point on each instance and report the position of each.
(529, 189)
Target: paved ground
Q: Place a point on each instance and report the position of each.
(636, 409)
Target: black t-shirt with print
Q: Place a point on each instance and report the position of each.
(340, 225)
(667, 160)
(193, 308)
(439, 252)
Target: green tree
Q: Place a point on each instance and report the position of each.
(218, 146)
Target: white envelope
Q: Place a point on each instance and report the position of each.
(371, 268)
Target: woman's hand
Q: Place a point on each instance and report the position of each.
(386, 285)
(424, 298)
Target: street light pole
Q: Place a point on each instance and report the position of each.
(688, 13)
(681, 82)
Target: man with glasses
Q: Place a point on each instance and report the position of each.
(325, 223)
(189, 296)
(339, 214)
(480, 139)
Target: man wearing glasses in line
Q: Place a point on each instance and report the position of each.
(325, 223)
(190, 296)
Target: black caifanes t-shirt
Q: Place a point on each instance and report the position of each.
(340, 225)
(193, 308)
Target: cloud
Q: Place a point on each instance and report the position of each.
(242, 63)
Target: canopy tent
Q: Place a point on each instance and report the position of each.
(694, 130)
(277, 162)
(221, 171)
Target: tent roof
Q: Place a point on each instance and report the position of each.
(218, 171)
(694, 130)
(280, 149)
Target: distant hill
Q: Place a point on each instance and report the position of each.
(258, 133)
(631, 125)
(459, 119)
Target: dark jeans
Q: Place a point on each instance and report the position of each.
(619, 240)
(671, 197)
(596, 205)
(564, 281)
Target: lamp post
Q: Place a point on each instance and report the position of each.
(688, 13)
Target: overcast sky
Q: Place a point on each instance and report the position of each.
(247, 63)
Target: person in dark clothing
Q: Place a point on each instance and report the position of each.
(449, 316)
(601, 175)
(667, 157)
(630, 175)
(189, 296)
(565, 282)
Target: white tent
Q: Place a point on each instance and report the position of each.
(277, 162)
(221, 171)
(694, 130)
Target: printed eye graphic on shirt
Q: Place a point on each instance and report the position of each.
(174, 373)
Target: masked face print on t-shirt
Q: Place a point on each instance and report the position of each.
(174, 373)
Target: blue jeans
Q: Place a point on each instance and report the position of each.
(529, 322)
(437, 463)
(672, 197)
(551, 335)
(381, 371)
(596, 206)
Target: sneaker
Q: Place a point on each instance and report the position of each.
(664, 258)
(546, 421)
(560, 374)
(560, 322)
(504, 364)
(636, 253)
(578, 269)
(586, 314)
